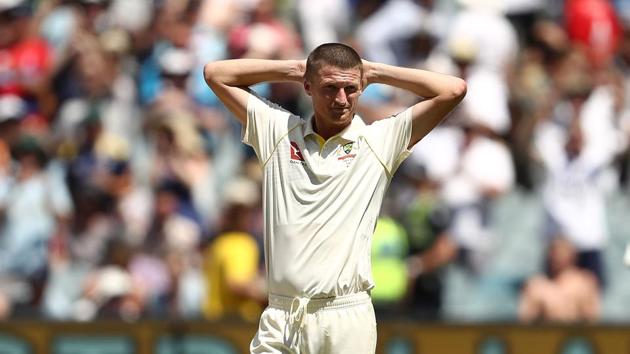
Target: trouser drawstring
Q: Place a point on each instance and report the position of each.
(297, 320)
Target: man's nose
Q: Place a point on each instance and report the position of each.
(341, 97)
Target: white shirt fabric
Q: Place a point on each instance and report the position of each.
(488, 163)
(396, 19)
(321, 203)
(573, 197)
(575, 190)
(445, 139)
(576, 204)
(485, 164)
(598, 124)
(490, 33)
(486, 101)
(323, 21)
(514, 7)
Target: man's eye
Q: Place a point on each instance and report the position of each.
(351, 89)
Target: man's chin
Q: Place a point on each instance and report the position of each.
(342, 117)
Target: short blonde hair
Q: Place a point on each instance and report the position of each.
(335, 54)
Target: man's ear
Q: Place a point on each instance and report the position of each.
(307, 87)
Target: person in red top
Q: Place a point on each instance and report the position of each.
(264, 35)
(25, 59)
(595, 25)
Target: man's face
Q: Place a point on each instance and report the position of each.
(335, 93)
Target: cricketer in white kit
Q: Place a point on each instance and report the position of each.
(324, 181)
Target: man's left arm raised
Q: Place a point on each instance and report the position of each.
(441, 93)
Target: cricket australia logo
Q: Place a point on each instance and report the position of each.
(344, 154)
(348, 147)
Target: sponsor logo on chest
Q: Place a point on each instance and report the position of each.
(345, 153)
(296, 153)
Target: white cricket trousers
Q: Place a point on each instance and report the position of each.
(342, 324)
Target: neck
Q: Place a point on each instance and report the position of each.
(326, 131)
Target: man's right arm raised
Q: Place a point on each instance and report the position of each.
(230, 79)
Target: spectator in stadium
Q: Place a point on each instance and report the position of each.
(81, 253)
(111, 290)
(232, 259)
(533, 93)
(325, 178)
(483, 24)
(384, 34)
(482, 171)
(263, 34)
(424, 218)
(323, 21)
(176, 151)
(594, 26)
(389, 249)
(35, 206)
(92, 94)
(27, 61)
(566, 294)
(576, 146)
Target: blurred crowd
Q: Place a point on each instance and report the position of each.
(125, 191)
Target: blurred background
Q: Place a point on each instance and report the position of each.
(126, 194)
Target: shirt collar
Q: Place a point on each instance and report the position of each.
(349, 133)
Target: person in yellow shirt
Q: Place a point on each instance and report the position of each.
(231, 261)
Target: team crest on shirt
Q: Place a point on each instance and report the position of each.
(345, 153)
(348, 147)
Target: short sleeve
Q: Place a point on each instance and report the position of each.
(266, 124)
(389, 139)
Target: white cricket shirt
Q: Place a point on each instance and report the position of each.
(321, 199)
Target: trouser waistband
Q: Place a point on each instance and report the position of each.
(315, 304)
(298, 307)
